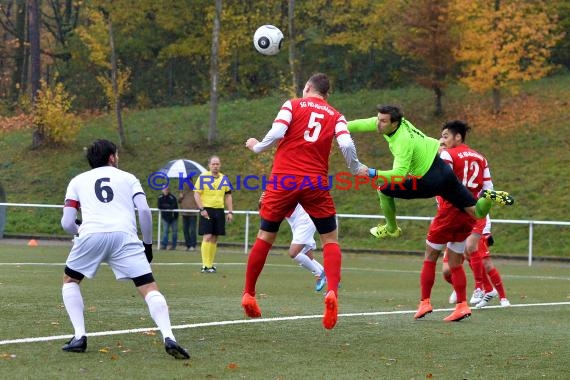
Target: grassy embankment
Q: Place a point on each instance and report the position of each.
(527, 147)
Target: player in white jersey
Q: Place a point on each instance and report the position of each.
(303, 243)
(107, 197)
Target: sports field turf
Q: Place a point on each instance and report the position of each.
(375, 338)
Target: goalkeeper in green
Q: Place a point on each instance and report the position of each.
(417, 172)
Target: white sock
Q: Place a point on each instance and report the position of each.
(73, 301)
(159, 313)
(307, 263)
(318, 265)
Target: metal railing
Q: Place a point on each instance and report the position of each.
(530, 223)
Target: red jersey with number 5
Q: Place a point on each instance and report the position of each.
(311, 125)
(470, 167)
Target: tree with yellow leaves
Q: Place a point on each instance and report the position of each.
(426, 37)
(52, 114)
(504, 43)
(99, 38)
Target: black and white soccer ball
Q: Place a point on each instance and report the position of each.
(268, 39)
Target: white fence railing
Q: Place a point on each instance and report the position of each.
(248, 214)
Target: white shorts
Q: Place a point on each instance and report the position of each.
(303, 229)
(457, 247)
(123, 252)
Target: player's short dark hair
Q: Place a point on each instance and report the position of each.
(457, 127)
(394, 112)
(98, 153)
(320, 83)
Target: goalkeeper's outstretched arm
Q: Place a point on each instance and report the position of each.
(363, 125)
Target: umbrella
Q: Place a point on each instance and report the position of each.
(182, 168)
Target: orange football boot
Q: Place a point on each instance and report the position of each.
(331, 310)
(423, 309)
(250, 306)
(461, 311)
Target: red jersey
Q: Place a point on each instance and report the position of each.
(472, 170)
(470, 167)
(311, 124)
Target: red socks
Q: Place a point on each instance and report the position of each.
(478, 270)
(332, 260)
(255, 263)
(459, 281)
(427, 278)
(497, 282)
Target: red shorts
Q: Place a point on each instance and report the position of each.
(450, 225)
(283, 193)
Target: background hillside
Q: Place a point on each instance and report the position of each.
(527, 146)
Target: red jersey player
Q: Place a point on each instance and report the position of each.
(451, 226)
(304, 130)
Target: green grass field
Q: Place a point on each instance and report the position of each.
(375, 338)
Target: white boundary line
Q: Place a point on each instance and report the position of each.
(244, 321)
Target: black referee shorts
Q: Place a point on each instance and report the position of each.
(216, 225)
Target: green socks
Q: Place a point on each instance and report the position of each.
(482, 207)
(388, 206)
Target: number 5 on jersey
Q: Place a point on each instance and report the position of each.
(314, 127)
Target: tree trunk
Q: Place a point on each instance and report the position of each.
(496, 100)
(114, 79)
(438, 92)
(496, 89)
(38, 137)
(19, 77)
(214, 75)
(292, 47)
(170, 79)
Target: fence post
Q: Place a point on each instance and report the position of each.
(158, 232)
(246, 240)
(2, 211)
(530, 236)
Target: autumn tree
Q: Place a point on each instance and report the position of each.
(426, 37)
(52, 114)
(99, 37)
(561, 53)
(38, 137)
(353, 42)
(60, 18)
(13, 22)
(504, 43)
(214, 74)
(293, 63)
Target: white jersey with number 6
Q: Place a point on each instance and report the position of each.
(105, 197)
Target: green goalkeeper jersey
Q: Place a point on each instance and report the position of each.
(413, 151)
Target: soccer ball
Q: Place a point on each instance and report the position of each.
(268, 39)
